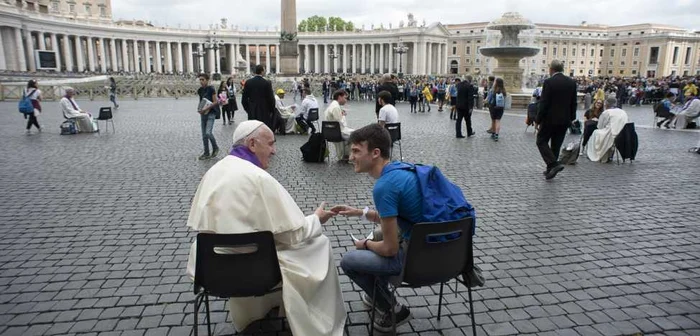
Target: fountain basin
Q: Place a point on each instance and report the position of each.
(520, 52)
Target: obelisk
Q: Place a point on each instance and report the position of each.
(288, 39)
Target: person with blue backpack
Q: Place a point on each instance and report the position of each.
(399, 197)
(497, 103)
(30, 105)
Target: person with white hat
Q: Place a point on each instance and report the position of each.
(237, 195)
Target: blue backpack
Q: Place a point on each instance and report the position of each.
(442, 200)
(500, 100)
(25, 104)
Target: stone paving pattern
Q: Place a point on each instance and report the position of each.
(94, 242)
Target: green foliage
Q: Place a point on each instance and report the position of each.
(320, 23)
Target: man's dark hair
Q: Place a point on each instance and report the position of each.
(492, 78)
(203, 75)
(385, 96)
(338, 93)
(259, 69)
(457, 80)
(375, 136)
(307, 91)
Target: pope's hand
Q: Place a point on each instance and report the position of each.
(346, 211)
(322, 214)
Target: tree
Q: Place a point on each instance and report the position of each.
(316, 23)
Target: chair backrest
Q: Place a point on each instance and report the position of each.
(331, 131)
(438, 252)
(105, 113)
(313, 114)
(394, 130)
(236, 265)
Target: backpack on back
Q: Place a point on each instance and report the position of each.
(315, 149)
(25, 104)
(500, 100)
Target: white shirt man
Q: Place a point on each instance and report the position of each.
(334, 112)
(308, 103)
(610, 124)
(237, 196)
(71, 110)
(388, 113)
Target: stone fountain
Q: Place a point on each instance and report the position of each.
(509, 52)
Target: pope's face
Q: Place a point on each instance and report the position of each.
(264, 147)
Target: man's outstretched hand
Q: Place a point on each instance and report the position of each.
(347, 211)
(322, 214)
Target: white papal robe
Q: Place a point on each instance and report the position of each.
(236, 196)
(610, 124)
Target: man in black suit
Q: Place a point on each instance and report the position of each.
(556, 112)
(465, 105)
(258, 99)
(387, 84)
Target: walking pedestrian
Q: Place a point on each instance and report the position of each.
(209, 112)
(34, 94)
(497, 103)
(113, 92)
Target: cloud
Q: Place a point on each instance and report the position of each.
(266, 13)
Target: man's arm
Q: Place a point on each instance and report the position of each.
(245, 96)
(545, 101)
(389, 246)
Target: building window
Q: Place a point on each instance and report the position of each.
(624, 52)
(544, 51)
(654, 55)
(610, 72)
(466, 70)
(583, 52)
(634, 72)
(634, 63)
(612, 52)
(71, 8)
(54, 6)
(88, 8)
(554, 51)
(636, 52)
(687, 55)
(622, 72)
(103, 11)
(675, 55)
(544, 62)
(563, 52)
(454, 50)
(622, 63)
(477, 50)
(601, 52)
(468, 51)
(592, 52)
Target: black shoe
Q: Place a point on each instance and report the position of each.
(204, 156)
(471, 134)
(460, 137)
(215, 153)
(383, 322)
(554, 171)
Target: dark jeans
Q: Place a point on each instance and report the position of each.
(226, 112)
(32, 121)
(467, 116)
(363, 266)
(413, 100)
(207, 123)
(554, 134)
(305, 125)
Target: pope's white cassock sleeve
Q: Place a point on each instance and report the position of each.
(236, 196)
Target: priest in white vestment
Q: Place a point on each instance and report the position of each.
(237, 195)
(334, 112)
(610, 124)
(288, 113)
(71, 110)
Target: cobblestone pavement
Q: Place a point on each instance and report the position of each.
(94, 242)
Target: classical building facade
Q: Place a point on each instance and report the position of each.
(85, 38)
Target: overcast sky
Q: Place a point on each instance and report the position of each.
(266, 13)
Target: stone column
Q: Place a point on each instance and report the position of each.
(30, 50)
(91, 54)
(54, 47)
(136, 56)
(277, 59)
(3, 62)
(201, 59)
(21, 55)
(414, 64)
(113, 54)
(67, 53)
(79, 55)
(325, 58)
(364, 59)
(353, 62)
(103, 55)
(344, 64)
(42, 40)
(392, 55)
(381, 58)
(125, 56)
(247, 57)
(429, 62)
(316, 59)
(158, 64)
(268, 59)
(306, 58)
(372, 61)
(168, 57)
(231, 49)
(149, 61)
(438, 64)
(257, 54)
(190, 58)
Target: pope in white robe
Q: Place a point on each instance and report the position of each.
(237, 195)
(334, 112)
(288, 113)
(71, 110)
(610, 124)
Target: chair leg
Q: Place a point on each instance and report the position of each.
(393, 309)
(196, 312)
(206, 303)
(374, 308)
(400, 151)
(471, 310)
(442, 284)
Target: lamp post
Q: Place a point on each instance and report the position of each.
(211, 43)
(333, 56)
(400, 49)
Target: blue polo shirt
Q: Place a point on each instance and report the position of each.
(397, 194)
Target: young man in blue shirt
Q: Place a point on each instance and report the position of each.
(398, 200)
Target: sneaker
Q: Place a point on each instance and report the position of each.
(215, 153)
(495, 137)
(366, 300)
(489, 131)
(383, 322)
(204, 156)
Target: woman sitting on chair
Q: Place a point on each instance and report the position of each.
(590, 123)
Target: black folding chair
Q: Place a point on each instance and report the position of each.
(436, 253)
(331, 132)
(395, 133)
(220, 257)
(106, 115)
(313, 116)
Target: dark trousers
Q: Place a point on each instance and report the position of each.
(467, 116)
(305, 125)
(32, 121)
(554, 134)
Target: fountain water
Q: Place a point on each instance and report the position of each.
(509, 52)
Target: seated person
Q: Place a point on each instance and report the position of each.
(590, 122)
(610, 123)
(286, 112)
(308, 103)
(71, 110)
(334, 112)
(664, 111)
(237, 195)
(690, 111)
(387, 113)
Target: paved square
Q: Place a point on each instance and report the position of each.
(93, 236)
